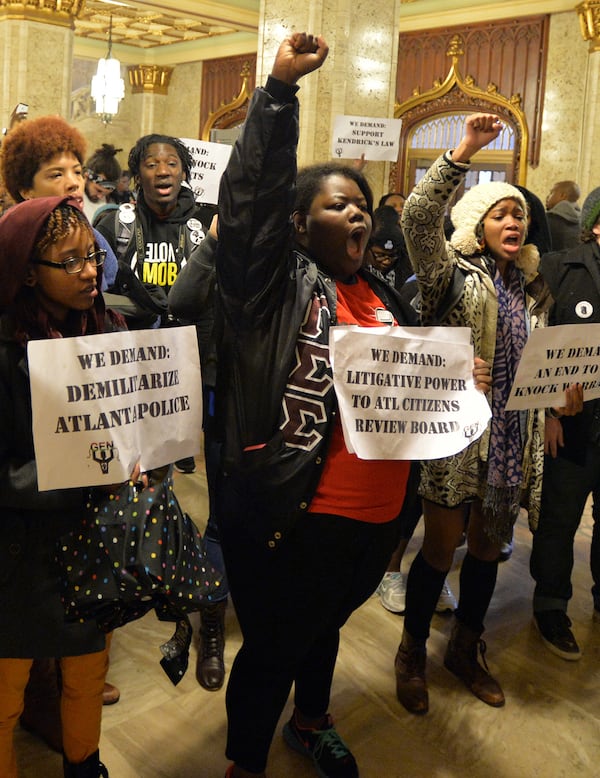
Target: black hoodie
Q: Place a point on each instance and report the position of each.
(167, 243)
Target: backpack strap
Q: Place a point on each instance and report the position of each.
(125, 219)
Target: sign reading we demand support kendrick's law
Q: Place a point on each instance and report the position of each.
(406, 392)
(102, 403)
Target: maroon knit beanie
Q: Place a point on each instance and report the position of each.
(20, 228)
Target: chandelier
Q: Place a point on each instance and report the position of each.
(108, 88)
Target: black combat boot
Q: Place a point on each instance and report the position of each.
(210, 665)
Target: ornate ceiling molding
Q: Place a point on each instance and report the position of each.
(59, 12)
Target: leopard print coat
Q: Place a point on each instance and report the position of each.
(452, 480)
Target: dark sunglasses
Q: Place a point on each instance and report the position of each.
(96, 178)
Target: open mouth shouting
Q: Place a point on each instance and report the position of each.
(357, 241)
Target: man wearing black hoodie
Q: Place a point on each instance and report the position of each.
(155, 237)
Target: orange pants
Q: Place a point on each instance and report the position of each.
(81, 705)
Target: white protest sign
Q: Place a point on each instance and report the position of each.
(407, 392)
(210, 161)
(101, 403)
(552, 360)
(376, 138)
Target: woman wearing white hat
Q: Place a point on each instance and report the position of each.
(501, 297)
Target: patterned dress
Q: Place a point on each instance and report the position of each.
(463, 477)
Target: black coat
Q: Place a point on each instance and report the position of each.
(274, 299)
(574, 280)
(31, 614)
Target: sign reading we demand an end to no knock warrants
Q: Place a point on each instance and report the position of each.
(407, 392)
(553, 359)
(102, 403)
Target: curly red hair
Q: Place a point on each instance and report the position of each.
(30, 144)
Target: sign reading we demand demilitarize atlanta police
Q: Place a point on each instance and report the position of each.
(102, 403)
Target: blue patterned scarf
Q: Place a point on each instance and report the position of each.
(502, 496)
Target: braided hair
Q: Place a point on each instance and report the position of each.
(138, 152)
(31, 320)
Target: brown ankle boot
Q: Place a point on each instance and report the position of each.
(411, 686)
(41, 712)
(461, 659)
(210, 664)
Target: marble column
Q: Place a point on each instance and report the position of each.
(358, 78)
(36, 52)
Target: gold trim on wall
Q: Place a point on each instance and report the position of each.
(456, 93)
(229, 114)
(589, 19)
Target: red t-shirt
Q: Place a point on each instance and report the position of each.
(369, 490)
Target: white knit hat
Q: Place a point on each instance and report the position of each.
(472, 207)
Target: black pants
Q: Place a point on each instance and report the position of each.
(291, 604)
(566, 487)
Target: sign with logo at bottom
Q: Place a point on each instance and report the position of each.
(102, 403)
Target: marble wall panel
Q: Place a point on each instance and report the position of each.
(564, 115)
(183, 100)
(35, 67)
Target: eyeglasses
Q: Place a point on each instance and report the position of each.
(383, 256)
(73, 265)
(96, 178)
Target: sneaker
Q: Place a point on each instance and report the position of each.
(554, 628)
(328, 752)
(186, 465)
(506, 551)
(392, 592)
(447, 601)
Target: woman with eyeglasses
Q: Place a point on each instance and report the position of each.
(50, 274)
(44, 157)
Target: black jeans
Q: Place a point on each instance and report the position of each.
(291, 604)
(565, 490)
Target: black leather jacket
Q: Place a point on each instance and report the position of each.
(275, 387)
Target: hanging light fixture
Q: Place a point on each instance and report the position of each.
(108, 88)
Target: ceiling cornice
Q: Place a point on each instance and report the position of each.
(430, 14)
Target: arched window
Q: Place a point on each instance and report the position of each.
(433, 136)
(433, 122)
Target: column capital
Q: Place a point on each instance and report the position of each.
(59, 12)
(149, 79)
(589, 19)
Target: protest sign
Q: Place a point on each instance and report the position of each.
(210, 161)
(552, 360)
(376, 138)
(407, 392)
(101, 403)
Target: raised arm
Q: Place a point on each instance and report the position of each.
(425, 211)
(257, 188)
(480, 130)
(298, 55)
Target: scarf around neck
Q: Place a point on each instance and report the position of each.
(501, 502)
